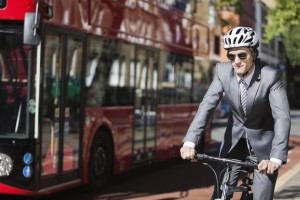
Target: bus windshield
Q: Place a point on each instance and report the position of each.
(13, 83)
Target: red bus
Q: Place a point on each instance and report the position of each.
(94, 88)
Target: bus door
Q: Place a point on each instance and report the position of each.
(61, 108)
(144, 133)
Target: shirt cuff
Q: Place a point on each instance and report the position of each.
(189, 144)
(276, 160)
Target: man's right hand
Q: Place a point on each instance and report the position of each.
(187, 153)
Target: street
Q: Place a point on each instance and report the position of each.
(179, 179)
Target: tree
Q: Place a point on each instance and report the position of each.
(234, 5)
(284, 20)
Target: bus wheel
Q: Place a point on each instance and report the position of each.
(101, 161)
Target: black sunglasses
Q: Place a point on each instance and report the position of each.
(242, 56)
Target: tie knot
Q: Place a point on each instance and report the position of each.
(243, 82)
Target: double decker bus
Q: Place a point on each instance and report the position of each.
(94, 88)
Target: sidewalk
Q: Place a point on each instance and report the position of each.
(288, 183)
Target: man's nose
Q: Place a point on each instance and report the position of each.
(237, 59)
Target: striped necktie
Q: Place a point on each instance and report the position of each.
(244, 88)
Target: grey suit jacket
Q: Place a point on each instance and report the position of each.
(267, 122)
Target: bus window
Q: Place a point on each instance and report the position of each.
(91, 71)
(95, 74)
(119, 90)
(13, 84)
(110, 75)
(202, 79)
(167, 78)
(98, 65)
(175, 79)
(183, 79)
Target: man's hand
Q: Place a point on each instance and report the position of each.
(187, 153)
(267, 166)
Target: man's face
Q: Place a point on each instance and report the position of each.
(241, 59)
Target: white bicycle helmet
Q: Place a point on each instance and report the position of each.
(240, 37)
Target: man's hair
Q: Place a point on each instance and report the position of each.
(255, 53)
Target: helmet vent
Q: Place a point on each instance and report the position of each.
(241, 39)
(249, 40)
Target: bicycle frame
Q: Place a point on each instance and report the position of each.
(245, 187)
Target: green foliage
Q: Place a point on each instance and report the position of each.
(291, 43)
(284, 20)
(285, 15)
(234, 5)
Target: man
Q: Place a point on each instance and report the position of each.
(259, 120)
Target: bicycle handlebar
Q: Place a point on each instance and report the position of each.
(226, 160)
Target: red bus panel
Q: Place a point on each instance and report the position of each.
(16, 9)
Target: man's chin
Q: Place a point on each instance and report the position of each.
(240, 74)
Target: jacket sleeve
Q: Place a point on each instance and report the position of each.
(282, 120)
(205, 109)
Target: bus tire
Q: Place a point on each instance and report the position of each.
(100, 161)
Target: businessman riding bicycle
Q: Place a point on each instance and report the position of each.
(259, 121)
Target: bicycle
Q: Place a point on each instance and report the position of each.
(245, 187)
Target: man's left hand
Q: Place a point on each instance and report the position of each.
(267, 166)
